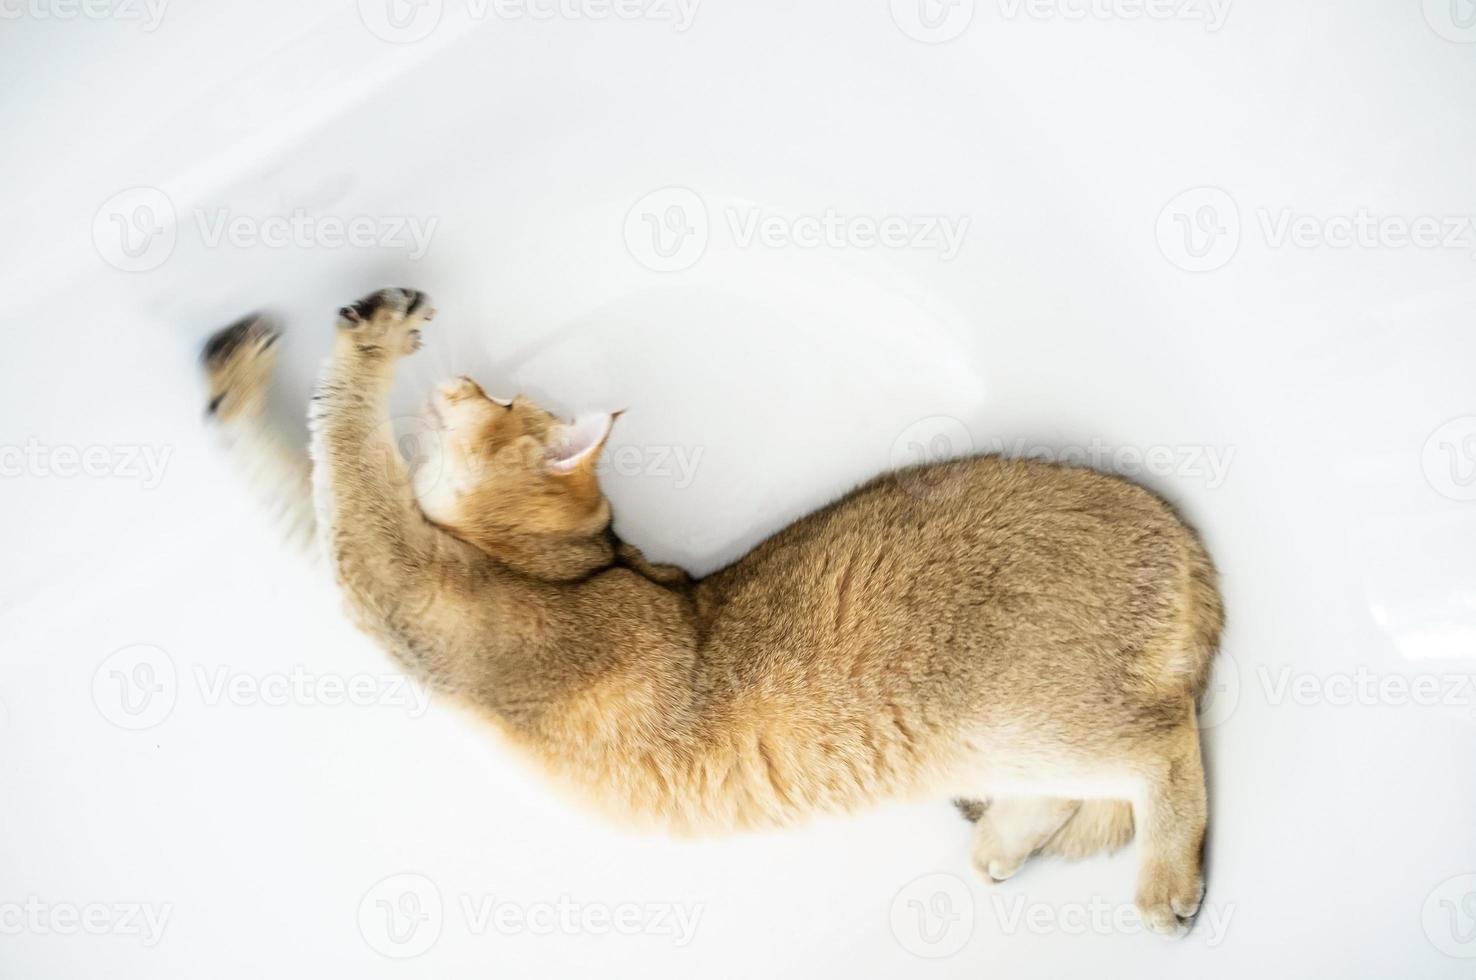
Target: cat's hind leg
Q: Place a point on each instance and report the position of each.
(1170, 812)
(1099, 827)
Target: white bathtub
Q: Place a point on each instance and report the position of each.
(1224, 248)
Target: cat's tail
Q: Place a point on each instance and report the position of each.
(1097, 826)
(239, 361)
(1206, 619)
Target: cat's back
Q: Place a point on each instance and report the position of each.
(984, 546)
(957, 507)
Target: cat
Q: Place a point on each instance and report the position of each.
(1028, 638)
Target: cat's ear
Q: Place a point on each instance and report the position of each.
(576, 447)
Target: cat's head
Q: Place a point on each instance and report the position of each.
(514, 480)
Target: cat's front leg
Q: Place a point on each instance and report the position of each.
(239, 362)
(1010, 830)
(667, 575)
(380, 545)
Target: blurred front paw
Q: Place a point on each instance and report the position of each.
(238, 362)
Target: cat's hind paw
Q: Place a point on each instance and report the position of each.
(1169, 900)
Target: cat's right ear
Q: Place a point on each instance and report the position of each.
(576, 447)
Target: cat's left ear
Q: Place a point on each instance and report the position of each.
(576, 447)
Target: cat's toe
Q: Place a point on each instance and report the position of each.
(388, 318)
(996, 863)
(1169, 907)
(1000, 869)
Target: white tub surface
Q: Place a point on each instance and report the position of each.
(1225, 247)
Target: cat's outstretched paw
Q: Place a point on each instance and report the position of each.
(238, 362)
(388, 320)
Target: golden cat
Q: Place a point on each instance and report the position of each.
(1029, 638)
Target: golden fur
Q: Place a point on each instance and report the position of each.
(1030, 635)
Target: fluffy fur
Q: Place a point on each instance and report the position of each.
(1030, 635)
